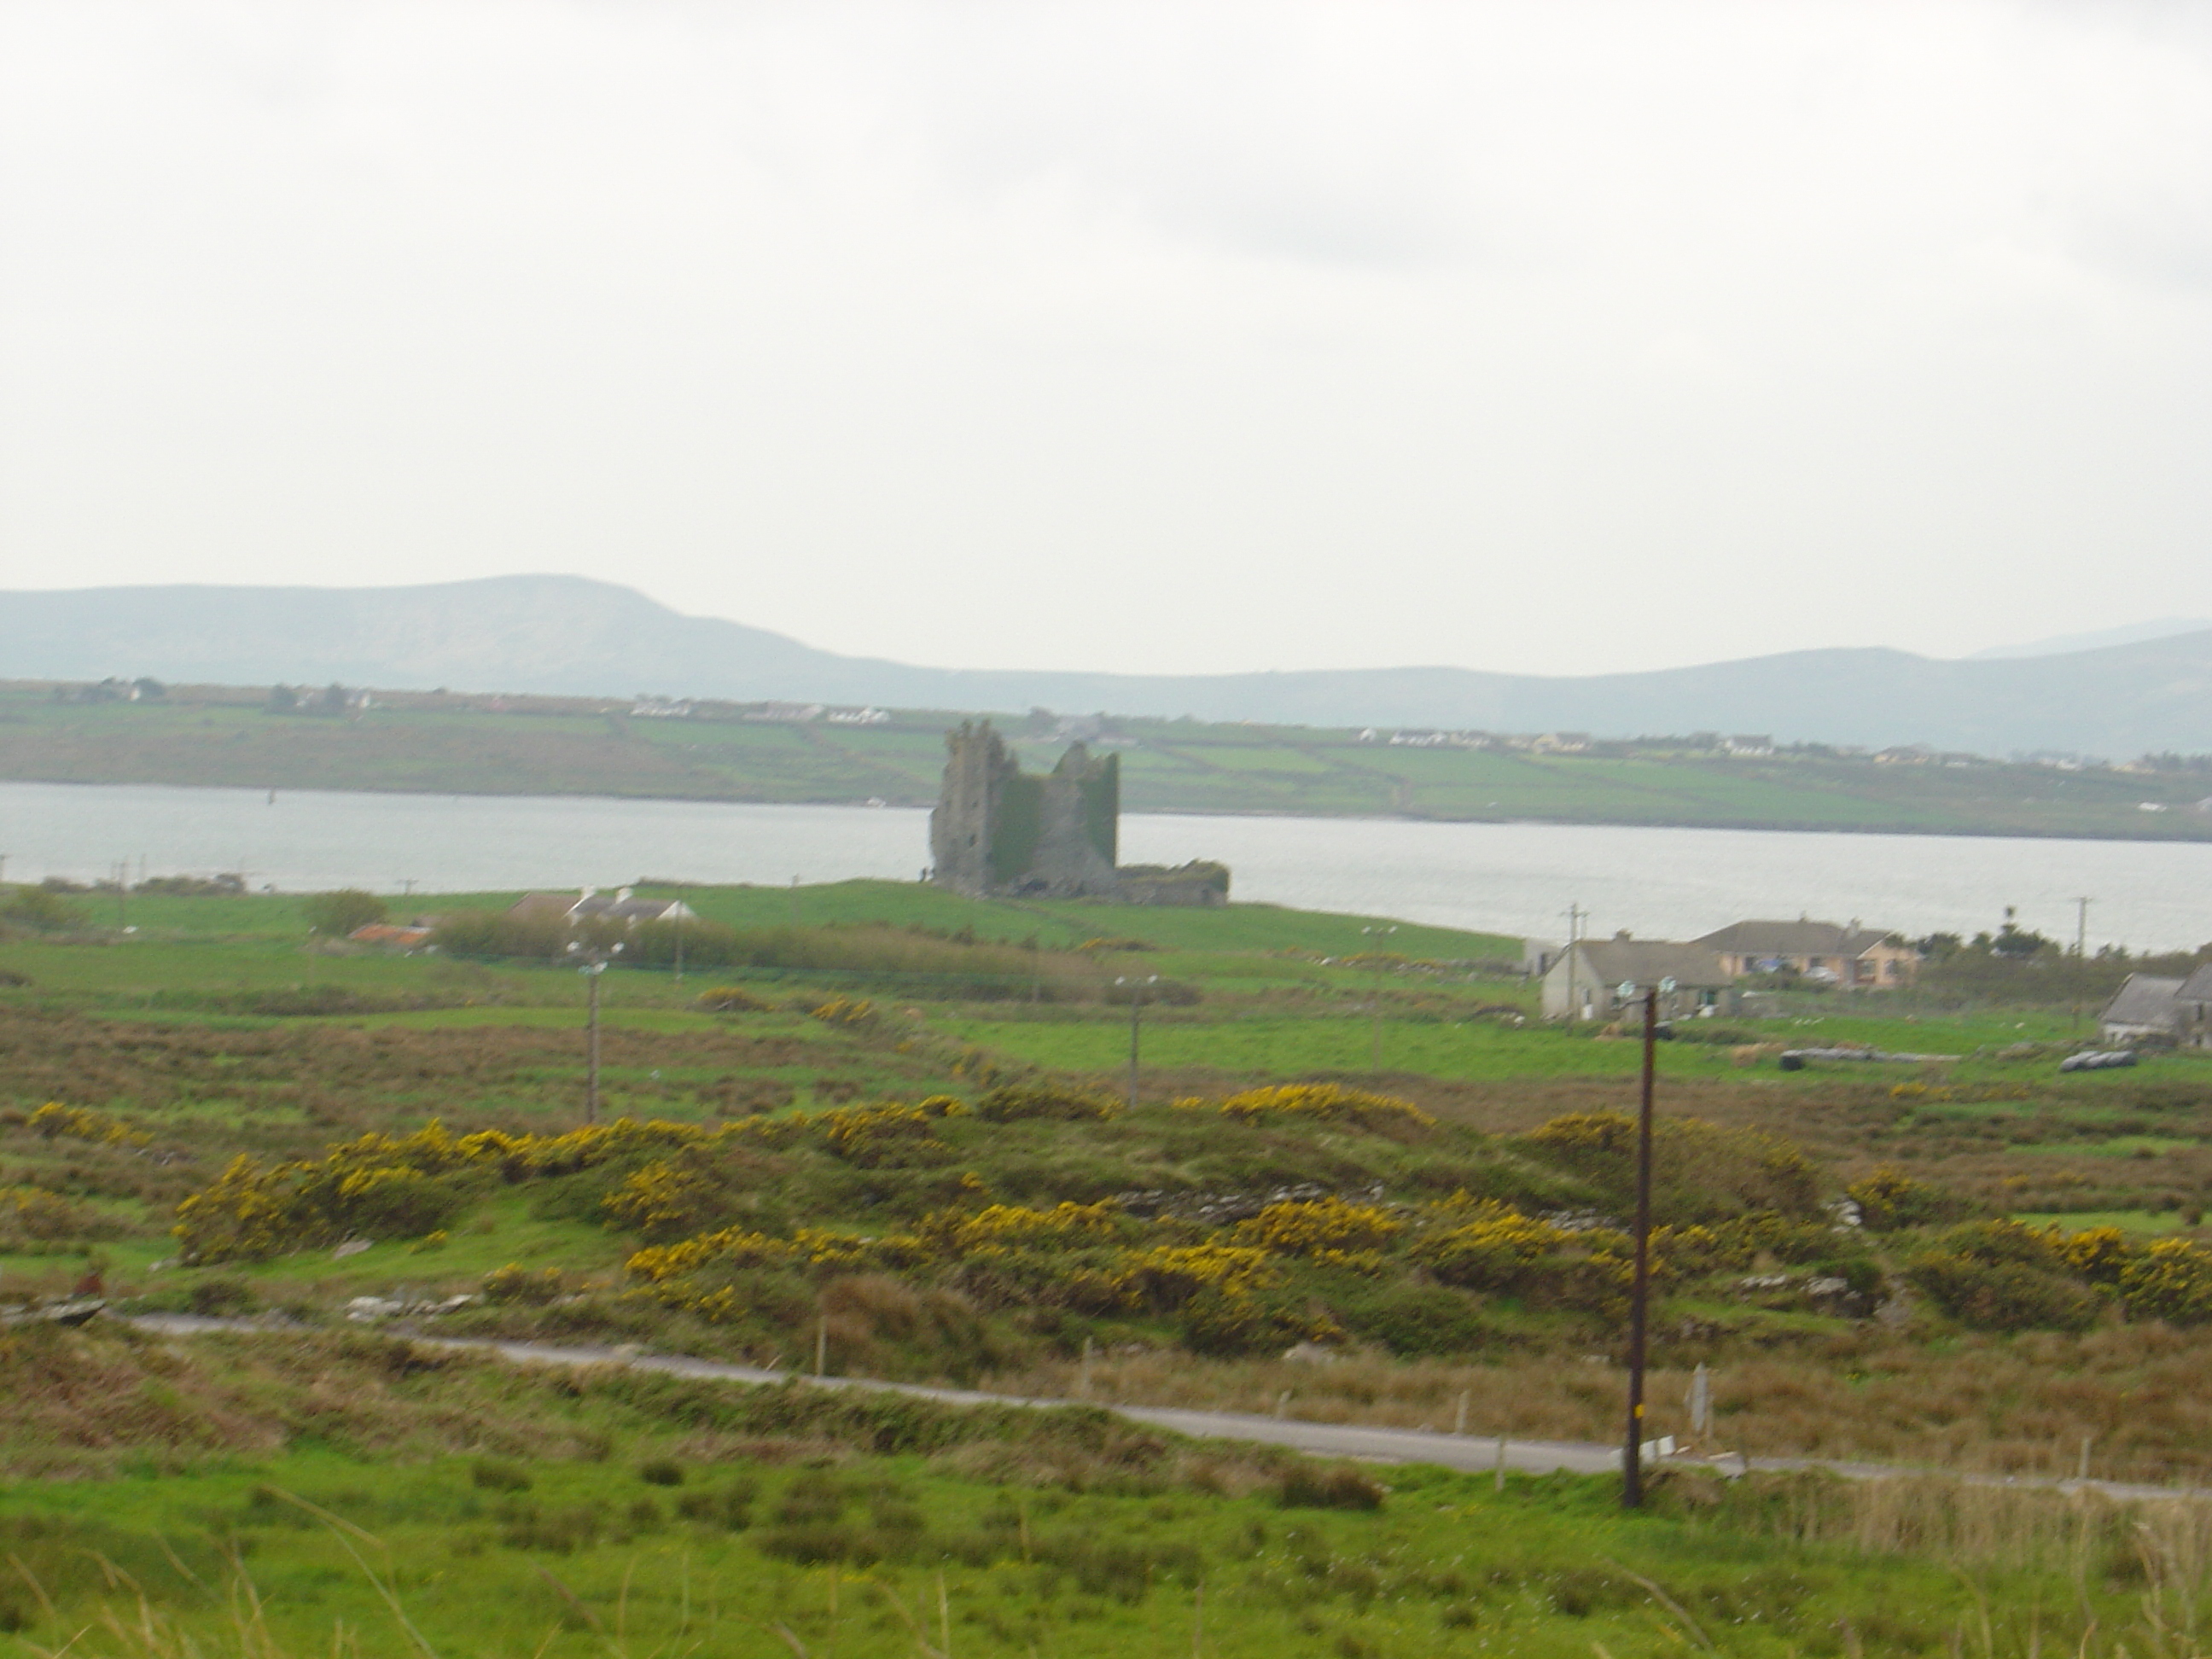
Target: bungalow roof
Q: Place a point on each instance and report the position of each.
(1802, 937)
(2143, 999)
(1648, 961)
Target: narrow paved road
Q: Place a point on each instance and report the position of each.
(1468, 1452)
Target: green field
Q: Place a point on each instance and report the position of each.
(542, 745)
(897, 1131)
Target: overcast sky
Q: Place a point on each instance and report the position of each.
(1554, 338)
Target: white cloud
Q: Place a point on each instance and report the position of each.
(1544, 336)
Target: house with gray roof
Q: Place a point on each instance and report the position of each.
(1852, 957)
(1585, 981)
(2149, 1008)
(2145, 1006)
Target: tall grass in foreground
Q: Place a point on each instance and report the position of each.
(2081, 1543)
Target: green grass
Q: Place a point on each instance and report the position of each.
(1447, 1564)
(506, 1510)
(2145, 1222)
(1548, 1567)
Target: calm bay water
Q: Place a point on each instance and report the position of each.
(1509, 878)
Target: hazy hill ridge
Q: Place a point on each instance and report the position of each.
(570, 635)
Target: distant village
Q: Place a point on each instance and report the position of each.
(1729, 972)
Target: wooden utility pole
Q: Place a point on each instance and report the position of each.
(592, 1043)
(1136, 987)
(1639, 1295)
(1574, 916)
(1377, 935)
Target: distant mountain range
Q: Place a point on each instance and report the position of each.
(2059, 644)
(567, 635)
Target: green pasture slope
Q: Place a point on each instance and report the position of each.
(527, 745)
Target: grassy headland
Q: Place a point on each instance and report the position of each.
(443, 743)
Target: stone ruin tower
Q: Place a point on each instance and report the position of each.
(997, 829)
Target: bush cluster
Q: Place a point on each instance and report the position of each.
(930, 1228)
(1700, 1171)
(32, 1214)
(1316, 1102)
(1018, 1103)
(55, 1120)
(1299, 1270)
(2002, 1276)
(1889, 1200)
(405, 1186)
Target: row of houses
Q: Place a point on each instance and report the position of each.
(1594, 979)
(2153, 1008)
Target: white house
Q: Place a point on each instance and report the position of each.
(1584, 981)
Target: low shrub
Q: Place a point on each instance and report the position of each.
(496, 1474)
(41, 910)
(35, 1215)
(336, 914)
(556, 1532)
(2000, 1276)
(1701, 1172)
(1328, 1486)
(1019, 1103)
(733, 1000)
(1318, 1103)
(1889, 1200)
(729, 1506)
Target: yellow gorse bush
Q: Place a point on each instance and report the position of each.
(1166, 1276)
(1321, 1227)
(83, 1123)
(998, 1228)
(664, 1200)
(1322, 1103)
(2168, 1279)
(857, 1133)
(402, 1186)
(1072, 1254)
(1494, 1250)
(33, 1213)
(734, 1247)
